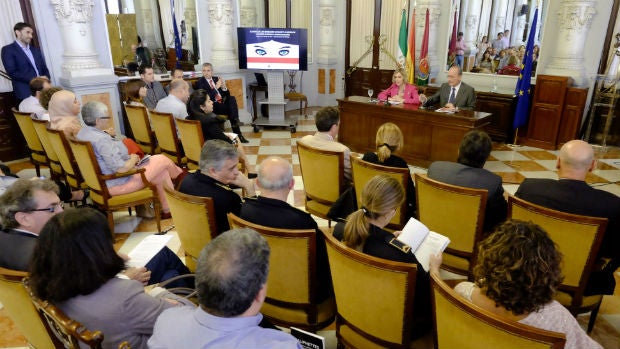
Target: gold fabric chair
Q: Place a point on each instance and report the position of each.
(374, 298)
(190, 133)
(68, 331)
(363, 171)
(37, 153)
(166, 133)
(461, 324)
(292, 282)
(59, 142)
(138, 117)
(17, 303)
(99, 193)
(456, 212)
(322, 172)
(40, 127)
(194, 220)
(578, 238)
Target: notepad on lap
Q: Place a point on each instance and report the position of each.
(422, 241)
(147, 249)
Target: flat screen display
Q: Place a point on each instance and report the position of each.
(273, 48)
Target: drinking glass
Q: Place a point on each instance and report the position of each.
(370, 93)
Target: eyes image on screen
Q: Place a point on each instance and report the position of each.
(273, 48)
(272, 55)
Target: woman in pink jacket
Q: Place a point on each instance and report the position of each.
(400, 91)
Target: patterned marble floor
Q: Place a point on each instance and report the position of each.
(513, 164)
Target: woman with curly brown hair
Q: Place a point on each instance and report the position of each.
(516, 275)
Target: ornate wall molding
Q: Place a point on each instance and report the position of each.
(79, 11)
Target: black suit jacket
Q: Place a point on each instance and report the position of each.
(279, 214)
(577, 197)
(19, 68)
(204, 84)
(465, 98)
(478, 178)
(16, 248)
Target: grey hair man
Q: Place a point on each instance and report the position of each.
(231, 279)
(219, 174)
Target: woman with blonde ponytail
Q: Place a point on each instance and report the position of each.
(364, 232)
(389, 140)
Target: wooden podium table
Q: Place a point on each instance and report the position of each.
(428, 135)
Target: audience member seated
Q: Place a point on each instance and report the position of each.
(486, 62)
(27, 205)
(400, 91)
(364, 232)
(200, 107)
(46, 95)
(517, 272)
(327, 121)
(219, 170)
(389, 140)
(223, 102)
(32, 104)
(468, 171)
(64, 113)
(511, 68)
(231, 280)
(270, 208)
(572, 194)
(113, 157)
(177, 73)
(74, 266)
(154, 89)
(135, 90)
(176, 102)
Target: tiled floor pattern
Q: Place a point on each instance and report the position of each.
(513, 164)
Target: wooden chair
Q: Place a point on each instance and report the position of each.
(374, 298)
(194, 220)
(461, 324)
(99, 193)
(17, 302)
(293, 281)
(40, 127)
(68, 331)
(322, 172)
(456, 212)
(59, 142)
(166, 133)
(190, 132)
(138, 117)
(298, 96)
(578, 238)
(363, 171)
(37, 153)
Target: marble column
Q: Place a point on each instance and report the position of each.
(247, 13)
(575, 18)
(221, 26)
(498, 19)
(327, 32)
(472, 21)
(75, 22)
(518, 24)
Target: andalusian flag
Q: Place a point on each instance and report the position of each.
(424, 67)
(402, 41)
(411, 51)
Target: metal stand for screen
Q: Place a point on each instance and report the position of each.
(276, 103)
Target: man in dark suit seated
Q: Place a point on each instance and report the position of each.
(22, 61)
(154, 89)
(570, 193)
(454, 93)
(275, 181)
(468, 172)
(223, 102)
(218, 170)
(28, 204)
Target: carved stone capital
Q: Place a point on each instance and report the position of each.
(248, 16)
(576, 15)
(471, 22)
(220, 14)
(73, 11)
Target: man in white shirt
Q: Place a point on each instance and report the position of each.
(32, 103)
(176, 102)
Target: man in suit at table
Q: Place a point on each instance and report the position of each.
(454, 93)
(571, 194)
(22, 61)
(223, 102)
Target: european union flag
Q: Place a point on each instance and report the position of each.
(177, 39)
(523, 83)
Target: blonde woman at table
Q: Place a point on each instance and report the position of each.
(400, 91)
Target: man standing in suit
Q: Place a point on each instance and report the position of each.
(223, 102)
(570, 193)
(453, 94)
(474, 151)
(22, 61)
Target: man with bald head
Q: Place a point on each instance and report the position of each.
(275, 181)
(176, 101)
(571, 194)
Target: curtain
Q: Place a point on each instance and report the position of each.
(166, 19)
(11, 13)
